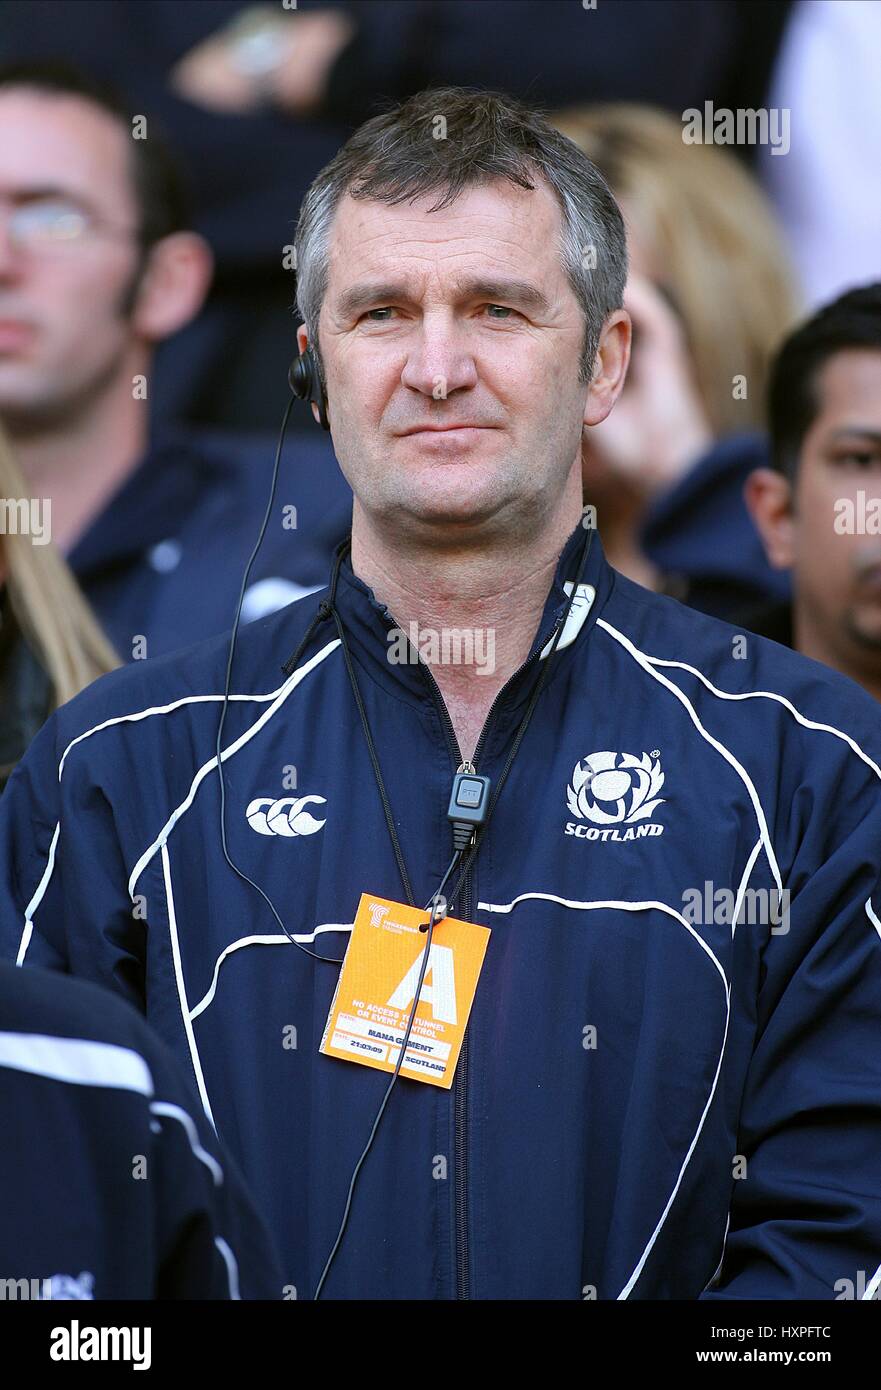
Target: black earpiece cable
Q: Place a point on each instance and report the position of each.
(335, 960)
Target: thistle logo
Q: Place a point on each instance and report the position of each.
(612, 790)
(285, 817)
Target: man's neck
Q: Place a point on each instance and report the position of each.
(474, 610)
(81, 461)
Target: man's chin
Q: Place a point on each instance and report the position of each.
(863, 627)
(31, 401)
(23, 414)
(437, 517)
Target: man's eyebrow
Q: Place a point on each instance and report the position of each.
(495, 291)
(46, 192)
(863, 431)
(369, 294)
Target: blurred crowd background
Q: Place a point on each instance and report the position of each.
(153, 156)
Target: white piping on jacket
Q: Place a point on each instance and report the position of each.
(151, 710)
(274, 939)
(174, 1112)
(232, 1269)
(231, 748)
(182, 989)
(771, 695)
(76, 1061)
(642, 660)
(636, 907)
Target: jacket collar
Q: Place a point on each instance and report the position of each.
(372, 630)
(168, 486)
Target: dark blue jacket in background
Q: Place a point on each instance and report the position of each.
(114, 1185)
(701, 537)
(163, 563)
(663, 1094)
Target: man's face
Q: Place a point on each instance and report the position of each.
(837, 568)
(62, 333)
(451, 342)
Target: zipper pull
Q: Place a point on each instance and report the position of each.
(465, 767)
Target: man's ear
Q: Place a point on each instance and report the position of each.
(173, 285)
(769, 501)
(609, 367)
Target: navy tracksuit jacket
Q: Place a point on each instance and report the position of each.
(162, 564)
(671, 1084)
(113, 1183)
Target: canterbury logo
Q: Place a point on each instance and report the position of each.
(615, 788)
(284, 817)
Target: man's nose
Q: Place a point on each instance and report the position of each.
(439, 360)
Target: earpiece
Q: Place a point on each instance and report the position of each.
(304, 380)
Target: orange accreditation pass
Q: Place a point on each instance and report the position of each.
(377, 984)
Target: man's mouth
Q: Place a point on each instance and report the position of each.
(14, 334)
(444, 436)
(869, 580)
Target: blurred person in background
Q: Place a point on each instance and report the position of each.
(710, 295)
(826, 192)
(97, 267)
(51, 646)
(256, 98)
(115, 1183)
(818, 508)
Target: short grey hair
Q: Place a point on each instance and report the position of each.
(446, 139)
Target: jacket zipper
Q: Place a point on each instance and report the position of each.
(460, 1084)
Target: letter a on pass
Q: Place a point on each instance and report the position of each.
(440, 994)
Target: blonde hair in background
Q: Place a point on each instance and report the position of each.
(52, 614)
(713, 243)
